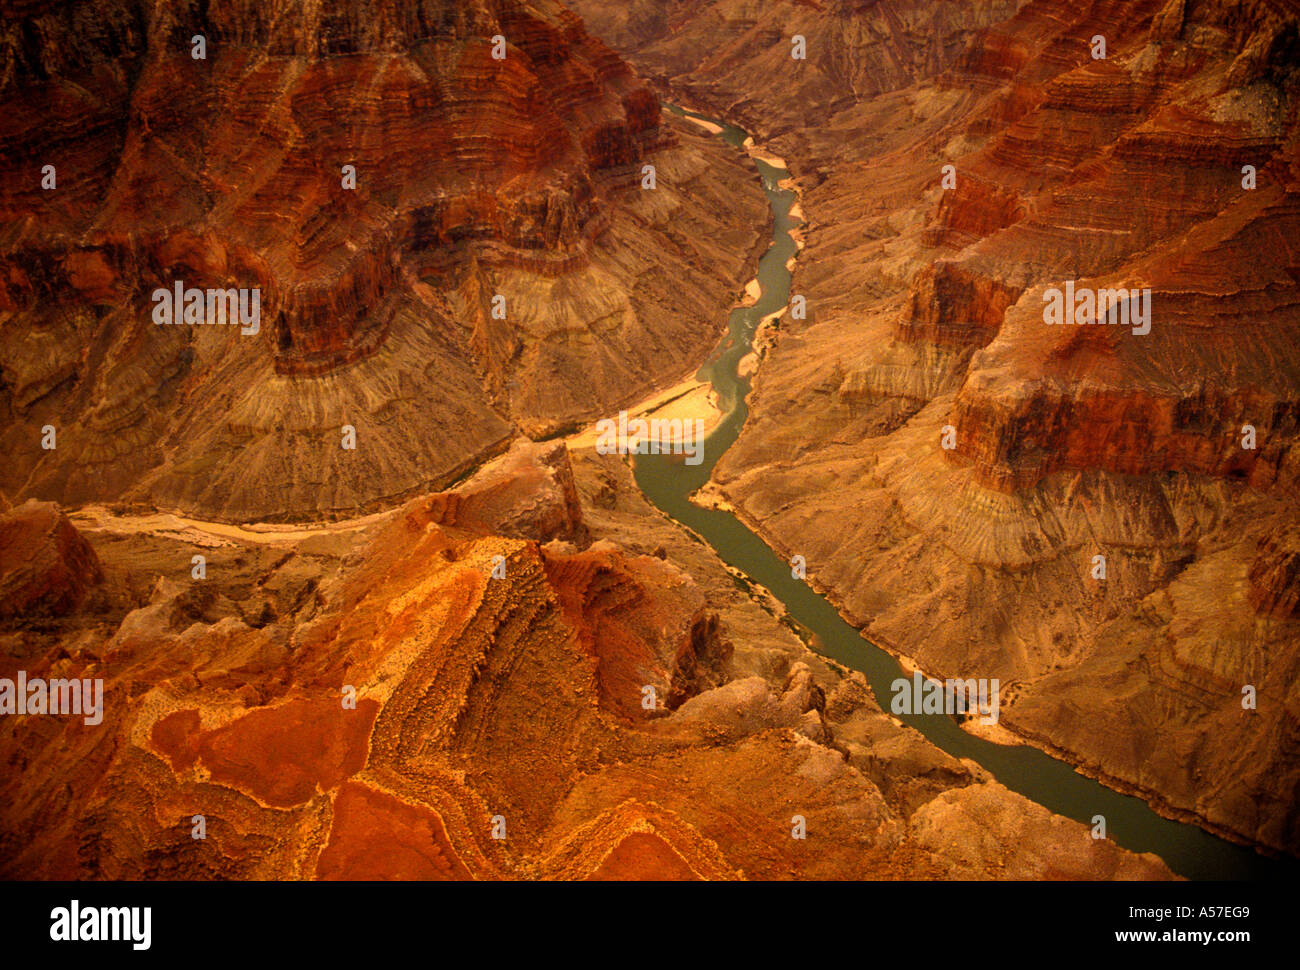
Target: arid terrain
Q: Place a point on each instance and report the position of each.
(925, 312)
(468, 646)
(478, 701)
(474, 178)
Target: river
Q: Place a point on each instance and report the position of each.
(668, 483)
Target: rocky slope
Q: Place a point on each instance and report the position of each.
(382, 179)
(367, 700)
(1068, 442)
(46, 567)
(854, 50)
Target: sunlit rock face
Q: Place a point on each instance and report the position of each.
(1167, 166)
(439, 204)
(46, 566)
(458, 689)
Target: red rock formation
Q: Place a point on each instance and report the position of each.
(529, 492)
(474, 177)
(403, 714)
(926, 312)
(951, 306)
(46, 567)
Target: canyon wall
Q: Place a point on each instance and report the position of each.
(1172, 454)
(532, 674)
(449, 247)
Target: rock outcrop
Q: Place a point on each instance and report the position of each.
(390, 704)
(46, 567)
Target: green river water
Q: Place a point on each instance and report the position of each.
(668, 483)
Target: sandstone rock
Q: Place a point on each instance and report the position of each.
(1070, 441)
(386, 721)
(46, 566)
(528, 494)
(368, 698)
(476, 178)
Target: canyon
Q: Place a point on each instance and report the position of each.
(925, 313)
(474, 178)
(471, 647)
(496, 727)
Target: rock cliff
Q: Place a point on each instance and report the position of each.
(440, 205)
(1168, 166)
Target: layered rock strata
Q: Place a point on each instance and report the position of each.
(449, 247)
(366, 701)
(1167, 166)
